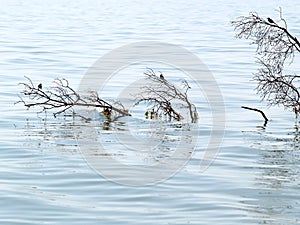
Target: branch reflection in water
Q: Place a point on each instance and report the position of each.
(276, 173)
(130, 142)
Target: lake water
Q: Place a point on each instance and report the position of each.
(44, 178)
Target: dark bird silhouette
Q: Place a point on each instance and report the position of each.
(161, 76)
(40, 86)
(270, 20)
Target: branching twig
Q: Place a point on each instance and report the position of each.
(164, 96)
(275, 45)
(62, 98)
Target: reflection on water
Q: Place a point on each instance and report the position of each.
(272, 198)
(129, 140)
(130, 145)
(277, 176)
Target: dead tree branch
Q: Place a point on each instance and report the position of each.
(260, 111)
(61, 97)
(275, 46)
(165, 98)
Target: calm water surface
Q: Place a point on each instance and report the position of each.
(45, 180)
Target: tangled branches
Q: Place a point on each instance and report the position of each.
(165, 98)
(63, 98)
(275, 45)
(278, 89)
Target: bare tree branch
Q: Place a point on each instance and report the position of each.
(275, 45)
(61, 97)
(165, 98)
(260, 111)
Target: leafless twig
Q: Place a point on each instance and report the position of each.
(275, 45)
(165, 98)
(61, 97)
(260, 111)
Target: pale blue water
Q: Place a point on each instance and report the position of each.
(44, 178)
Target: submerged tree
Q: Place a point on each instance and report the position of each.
(165, 98)
(276, 46)
(61, 97)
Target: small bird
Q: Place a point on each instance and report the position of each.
(161, 76)
(40, 86)
(270, 20)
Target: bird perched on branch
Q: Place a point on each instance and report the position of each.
(40, 86)
(270, 20)
(161, 76)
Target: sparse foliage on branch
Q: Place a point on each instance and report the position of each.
(165, 99)
(276, 46)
